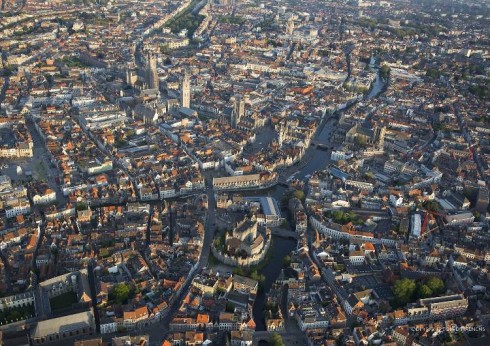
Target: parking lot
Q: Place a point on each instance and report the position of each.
(12, 168)
(36, 168)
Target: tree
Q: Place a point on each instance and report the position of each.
(164, 49)
(286, 261)
(230, 307)
(255, 275)
(81, 206)
(299, 194)
(424, 291)
(239, 271)
(360, 141)
(476, 214)
(433, 73)
(276, 340)
(384, 71)
(436, 285)
(120, 293)
(218, 244)
(431, 205)
(404, 290)
(15, 315)
(479, 90)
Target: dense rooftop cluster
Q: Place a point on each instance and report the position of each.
(135, 136)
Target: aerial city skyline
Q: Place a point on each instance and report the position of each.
(244, 172)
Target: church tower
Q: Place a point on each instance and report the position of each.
(380, 134)
(152, 74)
(290, 27)
(239, 107)
(185, 92)
(283, 134)
(238, 110)
(234, 114)
(131, 76)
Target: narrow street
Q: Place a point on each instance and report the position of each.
(469, 140)
(7, 271)
(41, 158)
(93, 293)
(161, 329)
(4, 87)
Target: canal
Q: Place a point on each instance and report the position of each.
(281, 247)
(379, 84)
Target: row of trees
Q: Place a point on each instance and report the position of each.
(186, 20)
(408, 290)
(276, 340)
(299, 194)
(233, 20)
(16, 314)
(384, 71)
(253, 274)
(343, 218)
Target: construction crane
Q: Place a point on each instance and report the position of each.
(472, 151)
(426, 220)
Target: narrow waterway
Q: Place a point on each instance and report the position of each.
(377, 86)
(281, 247)
(379, 83)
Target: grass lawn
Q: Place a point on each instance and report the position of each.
(62, 301)
(18, 313)
(212, 261)
(40, 170)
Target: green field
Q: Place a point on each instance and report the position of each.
(62, 301)
(16, 314)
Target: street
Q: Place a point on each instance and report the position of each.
(161, 329)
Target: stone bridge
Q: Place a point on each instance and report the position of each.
(280, 232)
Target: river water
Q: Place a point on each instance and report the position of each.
(282, 248)
(379, 83)
(377, 86)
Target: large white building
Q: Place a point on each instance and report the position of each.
(57, 329)
(416, 225)
(48, 197)
(17, 300)
(340, 155)
(17, 207)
